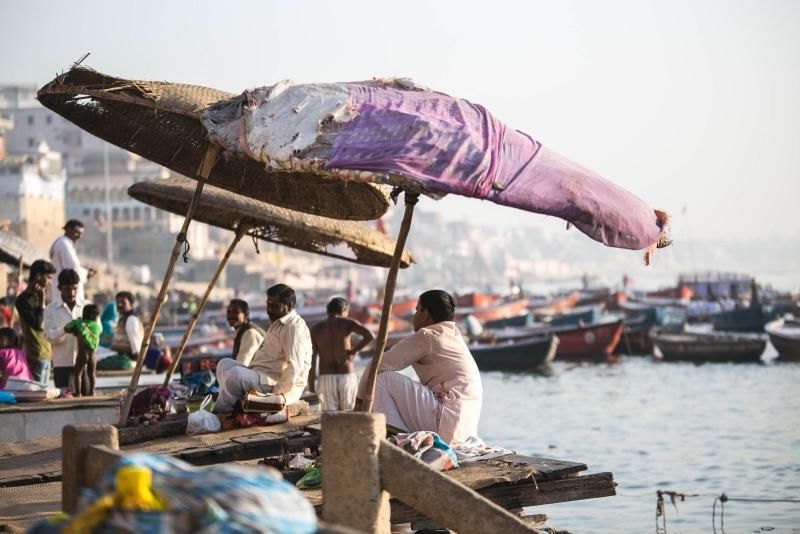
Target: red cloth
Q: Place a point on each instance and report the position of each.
(13, 363)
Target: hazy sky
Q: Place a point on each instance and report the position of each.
(690, 104)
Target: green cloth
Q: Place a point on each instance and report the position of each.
(116, 362)
(88, 331)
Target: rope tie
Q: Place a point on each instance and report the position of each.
(255, 243)
(186, 247)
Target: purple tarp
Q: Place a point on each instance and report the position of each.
(435, 142)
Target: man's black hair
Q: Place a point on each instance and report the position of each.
(284, 293)
(73, 223)
(11, 336)
(90, 312)
(242, 305)
(337, 306)
(41, 267)
(439, 304)
(68, 277)
(126, 295)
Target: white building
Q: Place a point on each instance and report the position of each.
(32, 195)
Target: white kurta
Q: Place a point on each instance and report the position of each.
(279, 366)
(65, 346)
(63, 256)
(448, 397)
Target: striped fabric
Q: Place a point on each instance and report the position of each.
(338, 391)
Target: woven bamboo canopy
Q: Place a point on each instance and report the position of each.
(160, 121)
(13, 247)
(311, 233)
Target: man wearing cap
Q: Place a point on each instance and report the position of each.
(64, 256)
(30, 307)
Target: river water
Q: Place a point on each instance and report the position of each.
(695, 429)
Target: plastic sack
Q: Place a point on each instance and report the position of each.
(202, 421)
(220, 499)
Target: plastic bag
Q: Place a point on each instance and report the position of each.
(202, 421)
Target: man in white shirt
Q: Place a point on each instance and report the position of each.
(282, 363)
(448, 396)
(249, 337)
(57, 314)
(129, 332)
(63, 256)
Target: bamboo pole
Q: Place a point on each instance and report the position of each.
(388, 295)
(240, 232)
(209, 159)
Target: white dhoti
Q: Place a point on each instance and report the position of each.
(234, 380)
(411, 406)
(338, 391)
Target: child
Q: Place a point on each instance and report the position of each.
(87, 330)
(12, 359)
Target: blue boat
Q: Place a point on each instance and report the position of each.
(640, 320)
(750, 319)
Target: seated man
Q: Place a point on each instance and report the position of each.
(447, 399)
(129, 333)
(331, 342)
(282, 363)
(249, 337)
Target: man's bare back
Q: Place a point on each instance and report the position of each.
(331, 341)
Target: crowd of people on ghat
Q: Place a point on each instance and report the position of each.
(51, 329)
(278, 362)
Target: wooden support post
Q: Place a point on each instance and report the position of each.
(351, 478)
(388, 295)
(77, 467)
(240, 232)
(209, 159)
(442, 499)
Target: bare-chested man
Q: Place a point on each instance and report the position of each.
(338, 383)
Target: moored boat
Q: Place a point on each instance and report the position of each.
(750, 319)
(520, 355)
(596, 341)
(584, 314)
(784, 334)
(640, 320)
(709, 346)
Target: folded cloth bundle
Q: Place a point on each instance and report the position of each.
(259, 403)
(427, 447)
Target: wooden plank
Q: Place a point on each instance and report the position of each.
(512, 496)
(259, 440)
(546, 468)
(169, 426)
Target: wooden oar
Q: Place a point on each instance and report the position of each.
(209, 159)
(388, 295)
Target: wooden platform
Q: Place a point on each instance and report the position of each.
(29, 420)
(30, 472)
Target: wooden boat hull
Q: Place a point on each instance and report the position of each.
(574, 317)
(524, 355)
(709, 347)
(510, 322)
(785, 337)
(495, 311)
(596, 341)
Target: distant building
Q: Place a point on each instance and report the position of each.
(141, 234)
(32, 195)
